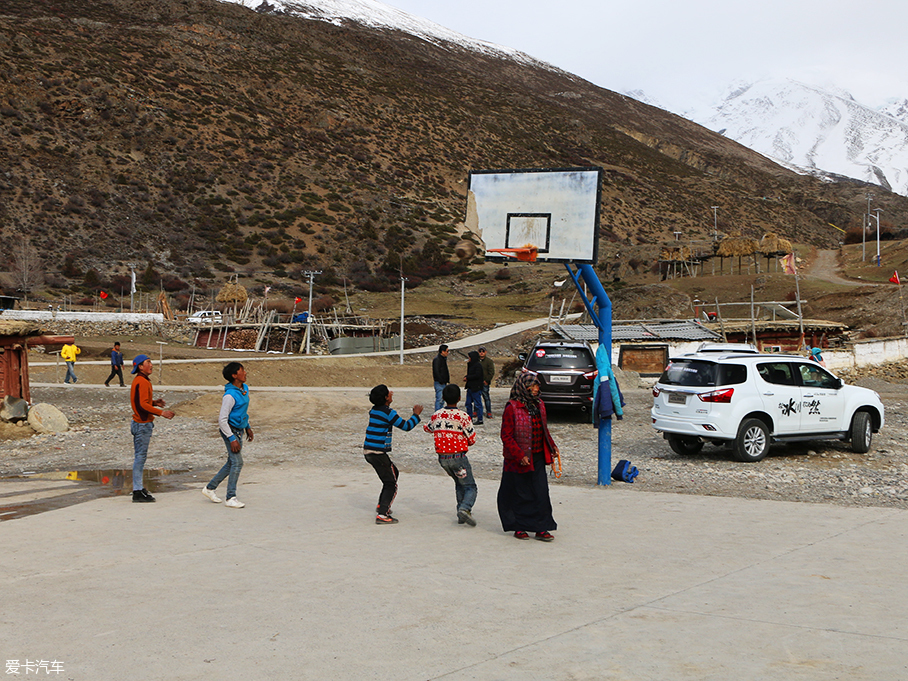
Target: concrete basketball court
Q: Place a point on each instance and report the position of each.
(301, 584)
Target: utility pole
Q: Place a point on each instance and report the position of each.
(877, 211)
(864, 229)
(403, 281)
(715, 236)
(132, 285)
(311, 274)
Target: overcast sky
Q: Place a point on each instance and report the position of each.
(685, 53)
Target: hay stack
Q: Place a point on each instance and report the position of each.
(736, 247)
(232, 294)
(17, 327)
(773, 244)
(674, 254)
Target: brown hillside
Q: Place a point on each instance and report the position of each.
(194, 139)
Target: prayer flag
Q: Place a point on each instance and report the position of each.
(788, 264)
(895, 278)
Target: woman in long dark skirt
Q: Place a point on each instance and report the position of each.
(524, 505)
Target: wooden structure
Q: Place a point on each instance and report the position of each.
(773, 246)
(782, 335)
(15, 337)
(736, 247)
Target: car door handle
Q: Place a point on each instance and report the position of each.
(769, 393)
(808, 394)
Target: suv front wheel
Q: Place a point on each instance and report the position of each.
(861, 432)
(752, 443)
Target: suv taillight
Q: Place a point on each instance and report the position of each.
(527, 371)
(656, 391)
(717, 396)
(591, 374)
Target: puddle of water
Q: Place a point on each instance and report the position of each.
(88, 485)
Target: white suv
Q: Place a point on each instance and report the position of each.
(205, 317)
(748, 400)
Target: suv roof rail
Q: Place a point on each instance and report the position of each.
(729, 348)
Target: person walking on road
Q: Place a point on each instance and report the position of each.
(233, 423)
(488, 373)
(524, 504)
(144, 409)
(116, 365)
(68, 352)
(377, 447)
(453, 433)
(440, 374)
(473, 381)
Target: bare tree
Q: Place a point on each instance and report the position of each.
(27, 268)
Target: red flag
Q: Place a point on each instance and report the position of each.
(895, 278)
(103, 295)
(299, 300)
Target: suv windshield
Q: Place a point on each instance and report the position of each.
(702, 373)
(544, 358)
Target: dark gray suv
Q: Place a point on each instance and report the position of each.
(566, 371)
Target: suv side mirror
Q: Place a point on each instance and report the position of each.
(522, 357)
(838, 383)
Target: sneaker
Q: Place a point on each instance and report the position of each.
(545, 535)
(385, 520)
(464, 516)
(107, 385)
(233, 502)
(211, 495)
(520, 534)
(489, 415)
(141, 496)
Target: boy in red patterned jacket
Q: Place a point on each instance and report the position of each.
(453, 430)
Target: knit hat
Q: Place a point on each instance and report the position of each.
(379, 395)
(137, 361)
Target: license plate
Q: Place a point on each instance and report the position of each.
(677, 398)
(559, 379)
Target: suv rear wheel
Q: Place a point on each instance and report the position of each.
(752, 443)
(861, 432)
(684, 445)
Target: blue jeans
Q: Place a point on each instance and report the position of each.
(70, 372)
(231, 469)
(439, 401)
(474, 405)
(487, 398)
(141, 438)
(464, 487)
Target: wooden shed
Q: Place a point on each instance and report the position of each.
(15, 337)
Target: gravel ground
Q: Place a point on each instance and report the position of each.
(324, 428)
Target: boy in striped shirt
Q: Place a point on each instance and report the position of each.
(377, 446)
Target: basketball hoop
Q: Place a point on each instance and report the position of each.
(525, 254)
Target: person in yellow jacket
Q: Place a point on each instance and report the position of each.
(68, 353)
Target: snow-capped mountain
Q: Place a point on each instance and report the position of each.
(379, 15)
(818, 131)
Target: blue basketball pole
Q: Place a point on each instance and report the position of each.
(603, 321)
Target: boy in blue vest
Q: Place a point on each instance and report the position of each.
(233, 422)
(377, 446)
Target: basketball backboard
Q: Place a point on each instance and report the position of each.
(555, 211)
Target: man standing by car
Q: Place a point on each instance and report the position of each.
(440, 375)
(488, 373)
